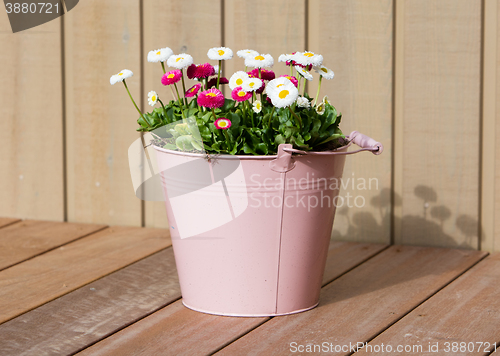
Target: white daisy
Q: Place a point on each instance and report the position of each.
(284, 58)
(159, 55)
(282, 92)
(244, 53)
(257, 106)
(324, 72)
(304, 73)
(219, 53)
(152, 98)
(326, 100)
(303, 102)
(216, 68)
(320, 108)
(237, 79)
(124, 74)
(259, 61)
(306, 58)
(251, 84)
(180, 61)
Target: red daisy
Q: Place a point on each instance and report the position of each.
(222, 123)
(239, 94)
(213, 82)
(171, 77)
(292, 79)
(193, 90)
(204, 70)
(265, 74)
(211, 98)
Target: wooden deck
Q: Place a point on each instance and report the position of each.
(86, 289)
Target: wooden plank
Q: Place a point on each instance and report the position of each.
(462, 314)
(356, 41)
(7, 221)
(92, 312)
(101, 39)
(176, 330)
(361, 303)
(497, 131)
(442, 50)
(31, 153)
(191, 27)
(30, 284)
(31, 238)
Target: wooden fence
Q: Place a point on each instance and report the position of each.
(421, 76)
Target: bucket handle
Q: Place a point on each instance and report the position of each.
(366, 143)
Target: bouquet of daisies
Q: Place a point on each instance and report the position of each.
(262, 110)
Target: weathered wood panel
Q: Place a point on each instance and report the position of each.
(495, 244)
(7, 221)
(461, 315)
(94, 311)
(32, 283)
(362, 303)
(191, 27)
(441, 108)
(101, 39)
(31, 150)
(30, 238)
(355, 39)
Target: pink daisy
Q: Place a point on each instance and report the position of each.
(204, 70)
(265, 74)
(211, 98)
(292, 79)
(193, 90)
(239, 94)
(222, 123)
(213, 82)
(171, 77)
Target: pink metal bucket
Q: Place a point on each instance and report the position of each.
(251, 233)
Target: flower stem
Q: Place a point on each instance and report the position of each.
(271, 117)
(162, 105)
(299, 120)
(218, 74)
(213, 113)
(184, 87)
(291, 70)
(163, 66)
(298, 87)
(140, 112)
(260, 74)
(319, 87)
(179, 99)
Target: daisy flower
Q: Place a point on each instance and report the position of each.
(198, 71)
(152, 98)
(257, 106)
(326, 100)
(251, 84)
(324, 72)
(222, 123)
(124, 74)
(213, 82)
(159, 55)
(282, 92)
(303, 102)
(193, 91)
(180, 61)
(284, 58)
(171, 77)
(260, 61)
(238, 94)
(307, 58)
(304, 73)
(264, 74)
(244, 53)
(220, 53)
(291, 78)
(320, 109)
(237, 79)
(211, 98)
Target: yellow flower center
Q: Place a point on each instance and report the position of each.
(308, 54)
(251, 84)
(221, 52)
(242, 93)
(158, 53)
(120, 73)
(153, 98)
(279, 85)
(283, 94)
(324, 70)
(211, 94)
(170, 76)
(259, 58)
(257, 106)
(239, 81)
(222, 123)
(178, 59)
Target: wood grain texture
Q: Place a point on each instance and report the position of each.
(176, 330)
(32, 283)
(31, 153)
(31, 238)
(362, 303)
(92, 312)
(356, 40)
(497, 132)
(191, 27)
(441, 123)
(101, 39)
(7, 221)
(463, 312)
